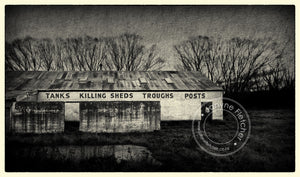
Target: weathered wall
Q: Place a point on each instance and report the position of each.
(33, 117)
(138, 112)
(174, 107)
(181, 108)
(119, 116)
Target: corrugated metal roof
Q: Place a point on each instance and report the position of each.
(18, 81)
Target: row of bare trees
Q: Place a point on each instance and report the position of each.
(238, 64)
(123, 53)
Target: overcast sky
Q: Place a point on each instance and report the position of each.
(161, 25)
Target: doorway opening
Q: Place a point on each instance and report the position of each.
(72, 117)
(206, 111)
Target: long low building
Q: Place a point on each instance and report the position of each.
(106, 101)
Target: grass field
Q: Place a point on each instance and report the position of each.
(271, 147)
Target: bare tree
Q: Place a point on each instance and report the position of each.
(233, 62)
(246, 59)
(289, 80)
(69, 61)
(12, 60)
(22, 54)
(47, 54)
(214, 59)
(78, 52)
(126, 53)
(151, 60)
(277, 75)
(96, 52)
(274, 77)
(87, 53)
(193, 52)
(60, 54)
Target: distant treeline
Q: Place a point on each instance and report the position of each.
(238, 65)
(124, 53)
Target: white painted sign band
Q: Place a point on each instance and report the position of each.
(118, 96)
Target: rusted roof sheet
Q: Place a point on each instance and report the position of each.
(20, 81)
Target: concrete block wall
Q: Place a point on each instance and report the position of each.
(33, 117)
(119, 116)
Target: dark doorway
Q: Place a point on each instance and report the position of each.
(71, 126)
(206, 111)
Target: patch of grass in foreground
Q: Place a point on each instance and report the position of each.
(271, 147)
